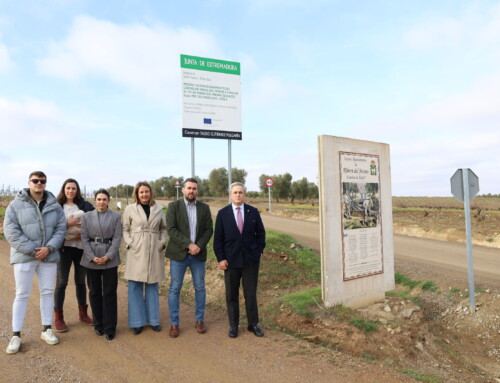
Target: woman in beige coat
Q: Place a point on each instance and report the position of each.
(145, 235)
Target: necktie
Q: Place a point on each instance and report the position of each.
(239, 219)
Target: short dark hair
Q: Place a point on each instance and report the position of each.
(136, 192)
(37, 173)
(189, 180)
(101, 191)
(61, 197)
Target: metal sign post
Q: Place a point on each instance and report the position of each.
(269, 184)
(465, 186)
(192, 157)
(177, 187)
(229, 170)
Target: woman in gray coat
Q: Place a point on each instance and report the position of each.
(101, 235)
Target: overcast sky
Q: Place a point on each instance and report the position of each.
(91, 89)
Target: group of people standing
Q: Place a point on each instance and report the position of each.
(48, 234)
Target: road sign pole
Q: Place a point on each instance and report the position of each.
(468, 234)
(229, 167)
(192, 157)
(177, 187)
(269, 184)
(269, 198)
(465, 186)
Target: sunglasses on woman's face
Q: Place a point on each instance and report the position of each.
(35, 181)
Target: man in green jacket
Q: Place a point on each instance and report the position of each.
(189, 227)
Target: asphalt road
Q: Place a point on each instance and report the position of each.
(437, 257)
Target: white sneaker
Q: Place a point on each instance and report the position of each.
(14, 345)
(49, 336)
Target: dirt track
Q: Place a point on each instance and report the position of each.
(82, 356)
(432, 256)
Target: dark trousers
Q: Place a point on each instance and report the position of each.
(70, 255)
(103, 299)
(248, 275)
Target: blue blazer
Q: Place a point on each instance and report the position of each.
(233, 246)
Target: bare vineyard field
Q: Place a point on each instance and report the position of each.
(483, 203)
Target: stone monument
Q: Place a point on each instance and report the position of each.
(357, 250)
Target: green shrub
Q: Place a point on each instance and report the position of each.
(402, 279)
(364, 324)
(429, 286)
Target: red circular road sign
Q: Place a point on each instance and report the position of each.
(269, 182)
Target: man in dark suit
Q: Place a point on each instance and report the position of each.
(189, 227)
(239, 240)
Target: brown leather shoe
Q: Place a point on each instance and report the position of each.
(174, 331)
(200, 327)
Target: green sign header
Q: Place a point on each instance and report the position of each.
(210, 65)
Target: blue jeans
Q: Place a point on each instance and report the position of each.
(177, 271)
(143, 307)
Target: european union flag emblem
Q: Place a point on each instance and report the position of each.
(207, 121)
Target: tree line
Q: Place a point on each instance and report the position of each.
(216, 186)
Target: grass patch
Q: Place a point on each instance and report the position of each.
(2, 212)
(421, 378)
(303, 302)
(401, 294)
(402, 279)
(297, 205)
(364, 324)
(287, 267)
(429, 286)
(343, 312)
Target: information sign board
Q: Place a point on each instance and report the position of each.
(211, 102)
(360, 204)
